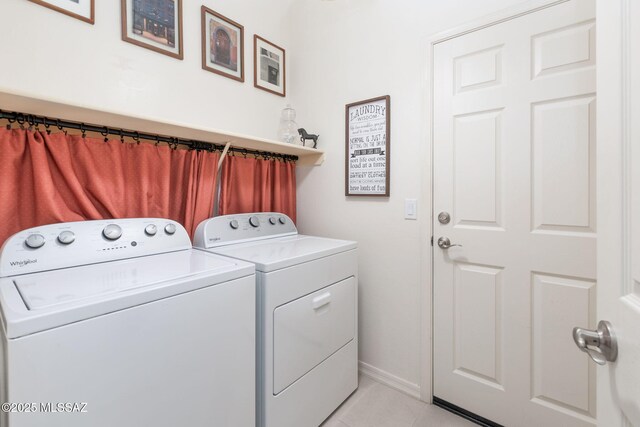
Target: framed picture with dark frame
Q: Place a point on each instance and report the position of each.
(83, 10)
(269, 66)
(222, 45)
(154, 24)
(367, 147)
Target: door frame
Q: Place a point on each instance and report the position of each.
(614, 141)
(427, 179)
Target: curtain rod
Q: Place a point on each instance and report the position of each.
(33, 120)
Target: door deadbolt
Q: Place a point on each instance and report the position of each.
(444, 217)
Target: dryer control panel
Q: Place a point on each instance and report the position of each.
(71, 244)
(238, 228)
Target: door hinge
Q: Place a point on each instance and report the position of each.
(431, 240)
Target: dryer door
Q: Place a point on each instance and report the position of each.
(310, 329)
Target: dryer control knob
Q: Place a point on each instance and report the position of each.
(170, 229)
(272, 220)
(34, 241)
(254, 221)
(234, 224)
(112, 232)
(66, 237)
(151, 230)
(281, 220)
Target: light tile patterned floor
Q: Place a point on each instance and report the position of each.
(376, 405)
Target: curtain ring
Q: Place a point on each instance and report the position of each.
(20, 120)
(157, 140)
(60, 127)
(244, 153)
(46, 126)
(31, 122)
(137, 138)
(83, 131)
(11, 122)
(121, 136)
(105, 133)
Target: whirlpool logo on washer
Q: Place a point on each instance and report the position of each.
(23, 263)
(214, 239)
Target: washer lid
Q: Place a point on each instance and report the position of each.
(40, 290)
(274, 254)
(39, 301)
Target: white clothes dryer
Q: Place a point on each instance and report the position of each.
(307, 292)
(121, 323)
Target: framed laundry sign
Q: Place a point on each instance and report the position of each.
(367, 147)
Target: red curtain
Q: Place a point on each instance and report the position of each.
(46, 179)
(256, 185)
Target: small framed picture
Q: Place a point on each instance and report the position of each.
(268, 66)
(222, 45)
(153, 24)
(80, 9)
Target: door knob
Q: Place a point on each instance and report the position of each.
(601, 345)
(445, 243)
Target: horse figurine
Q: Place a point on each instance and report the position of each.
(304, 136)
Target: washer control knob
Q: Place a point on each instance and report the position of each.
(234, 224)
(170, 229)
(254, 221)
(272, 220)
(112, 232)
(151, 230)
(66, 237)
(281, 220)
(34, 241)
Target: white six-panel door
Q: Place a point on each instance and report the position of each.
(514, 166)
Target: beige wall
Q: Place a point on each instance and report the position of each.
(350, 50)
(48, 54)
(338, 52)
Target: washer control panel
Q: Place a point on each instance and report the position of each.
(228, 229)
(72, 244)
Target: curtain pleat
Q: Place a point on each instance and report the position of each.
(46, 179)
(256, 185)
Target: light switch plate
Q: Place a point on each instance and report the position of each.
(410, 209)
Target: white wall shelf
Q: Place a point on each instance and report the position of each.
(58, 110)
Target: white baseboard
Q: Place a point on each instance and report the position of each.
(390, 380)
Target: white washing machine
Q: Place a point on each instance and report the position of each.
(121, 323)
(307, 314)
